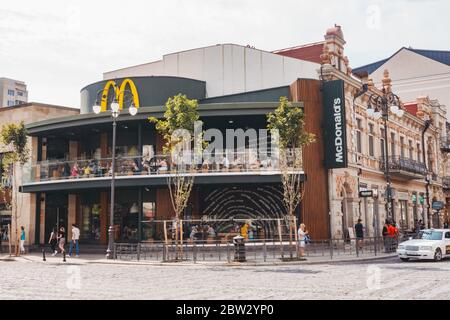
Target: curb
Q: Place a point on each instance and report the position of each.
(244, 264)
(202, 263)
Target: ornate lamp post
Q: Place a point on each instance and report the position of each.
(380, 106)
(115, 111)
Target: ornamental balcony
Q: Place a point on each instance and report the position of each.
(446, 183)
(151, 171)
(404, 168)
(445, 144)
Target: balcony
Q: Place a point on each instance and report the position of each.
(404, 168)
(151, 171)
(445, 144)
(446, 183)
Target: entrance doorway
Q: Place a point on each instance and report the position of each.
(403, 214)
(56, 212)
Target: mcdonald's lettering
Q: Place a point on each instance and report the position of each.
(119, 93)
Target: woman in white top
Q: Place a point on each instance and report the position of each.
(301, 239)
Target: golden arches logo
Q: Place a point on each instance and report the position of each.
(119, 93)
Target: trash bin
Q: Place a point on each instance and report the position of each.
(239, 249)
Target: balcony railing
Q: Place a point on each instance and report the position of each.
(153, 166)
(446, 183)
(397, 163)
(445, 144)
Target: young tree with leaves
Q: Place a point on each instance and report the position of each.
(287, 122)
(14, 139)
(181, 115)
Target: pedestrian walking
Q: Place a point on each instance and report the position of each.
(22, 239)
(302, 238)
(75, 239)
(62, 239)
(53, 241)
(446, 224)
(359, 231)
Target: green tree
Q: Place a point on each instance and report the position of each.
(181, 114)
(14, 140)
(287, 122)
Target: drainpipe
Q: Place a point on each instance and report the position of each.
(427, 179)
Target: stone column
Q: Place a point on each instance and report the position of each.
(42, 218)
(370, 223)
(71, 215)
(336, 219)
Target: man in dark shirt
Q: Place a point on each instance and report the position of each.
(359, 231)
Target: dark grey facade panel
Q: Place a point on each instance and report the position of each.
(266, 95)
(72, 185)
(153, 91)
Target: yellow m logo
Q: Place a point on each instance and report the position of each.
(119, 93)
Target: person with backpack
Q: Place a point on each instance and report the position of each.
(53, 241)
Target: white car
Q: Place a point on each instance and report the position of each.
(430, 244)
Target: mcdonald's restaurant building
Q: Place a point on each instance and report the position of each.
(61, 197)
(236, 87)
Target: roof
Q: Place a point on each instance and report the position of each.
(37, 104)
(436, 55)
(310, 52)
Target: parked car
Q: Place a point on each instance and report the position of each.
(429, 244)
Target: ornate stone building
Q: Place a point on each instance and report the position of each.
(412, 170)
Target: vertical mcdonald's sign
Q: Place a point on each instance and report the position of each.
(334, 125)
(119, 92)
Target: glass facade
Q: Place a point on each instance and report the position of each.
(90, 210)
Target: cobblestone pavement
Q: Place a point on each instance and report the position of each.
(382, 279)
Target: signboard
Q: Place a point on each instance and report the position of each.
(334, 125)
(402, 196)
(366, 194)
(438, 205)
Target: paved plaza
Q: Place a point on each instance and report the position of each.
(29, 278)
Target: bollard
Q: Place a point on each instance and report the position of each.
(64, 256)
(43, 255)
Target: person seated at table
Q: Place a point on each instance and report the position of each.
(75, 170)
(211, 232)
(194, 230)
(162, 165)
(135, 167)
(205, 166)
(94, 167)
(87, 171)
(225, 162)
(146, 165)
(66, 170)
(255, 165)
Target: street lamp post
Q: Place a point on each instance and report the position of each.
(115, 111)
(380, 106)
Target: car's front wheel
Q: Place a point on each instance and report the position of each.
(404, 259)
(438, 255)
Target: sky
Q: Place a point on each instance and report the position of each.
(57, 47)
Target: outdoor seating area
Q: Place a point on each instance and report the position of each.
(138, 165)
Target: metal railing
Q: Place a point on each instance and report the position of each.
(261, 250)
(446, 183)
(247, 162)
(445, 143)
(404, 164)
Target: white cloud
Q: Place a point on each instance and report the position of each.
(58, 47)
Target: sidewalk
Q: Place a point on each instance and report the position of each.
(100, 259)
